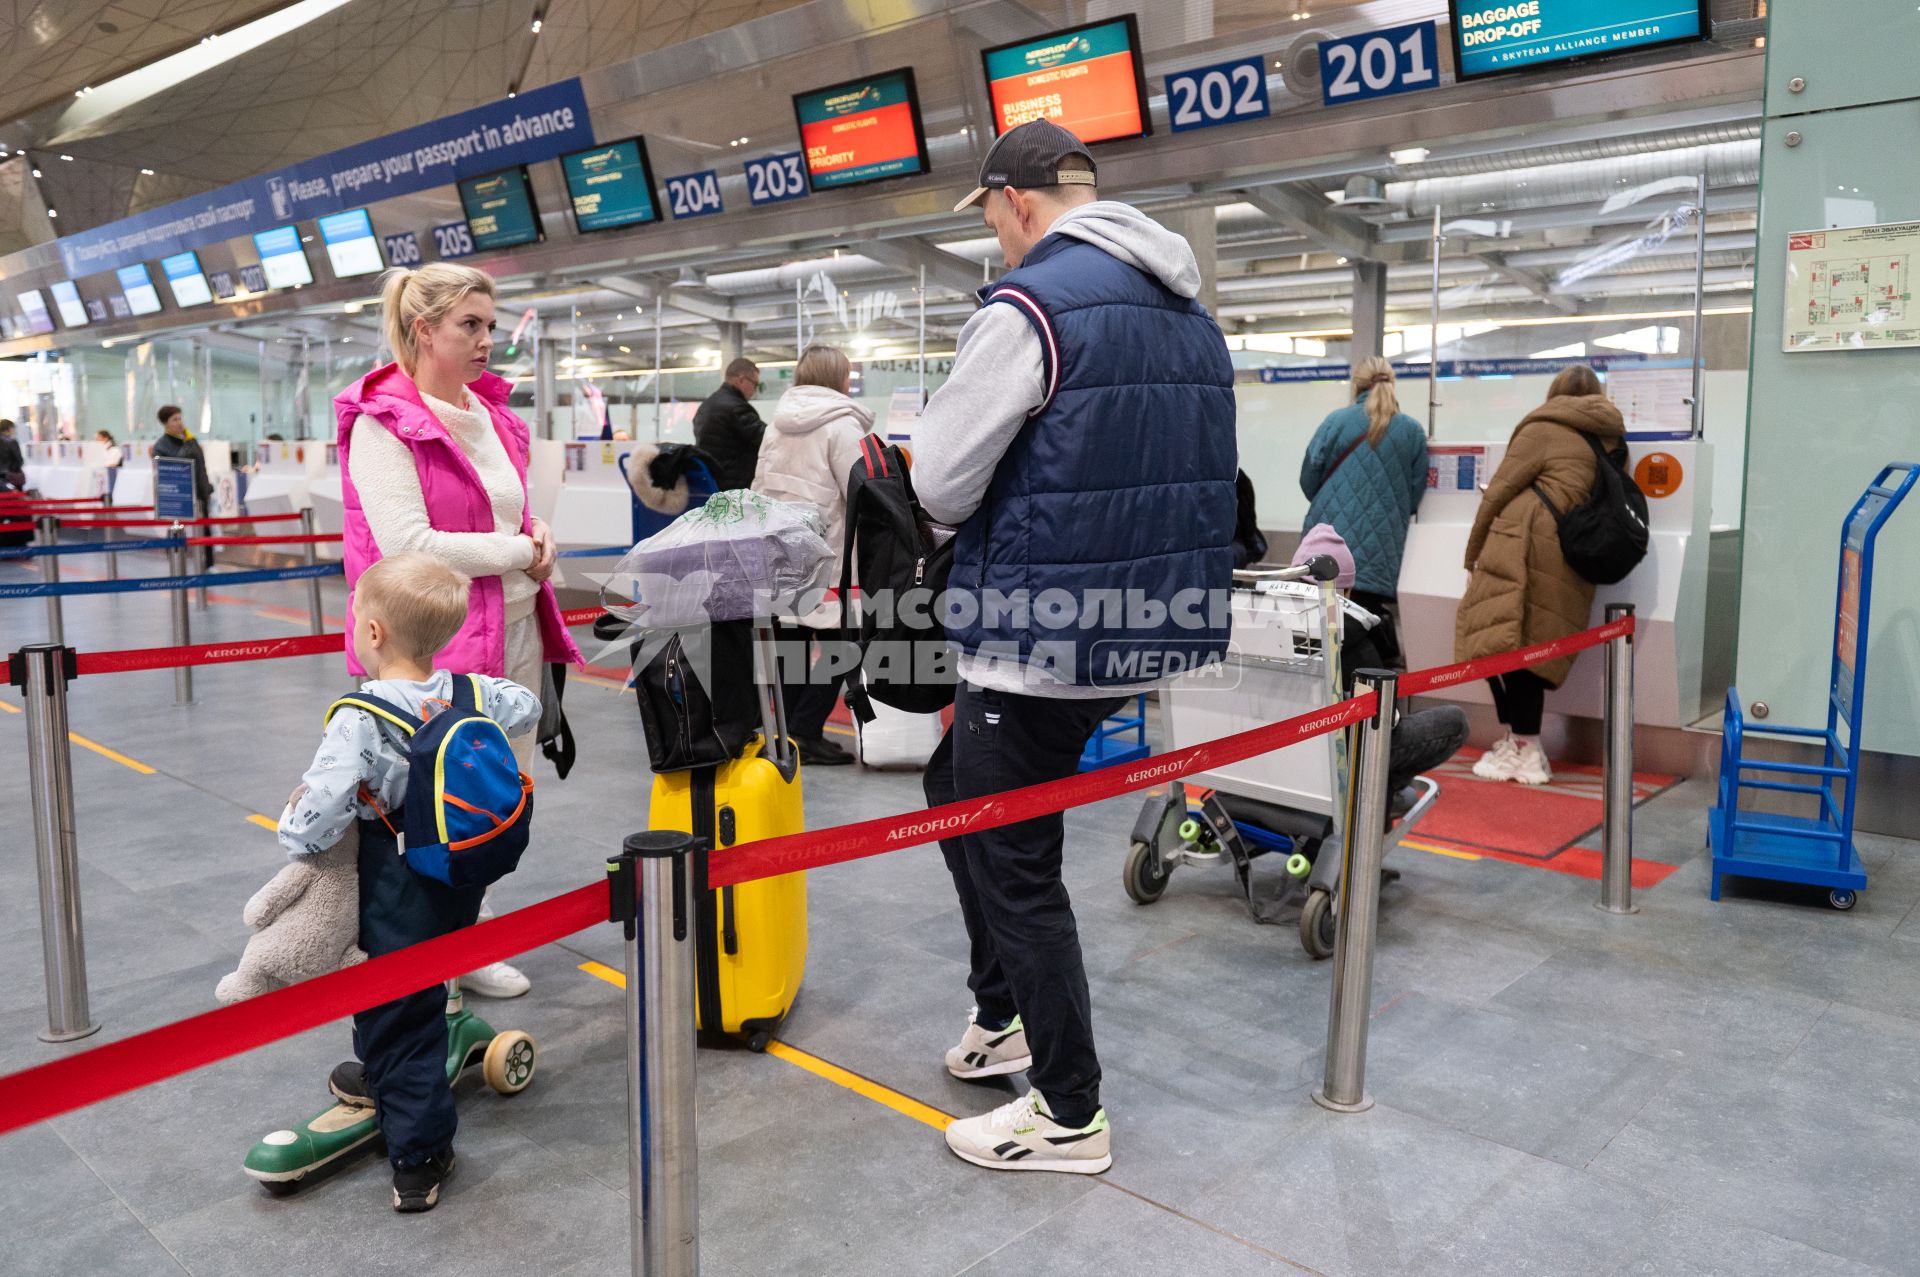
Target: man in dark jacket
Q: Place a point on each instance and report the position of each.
(1084, 447)
(13, 465)
(178, 444)
(728, 429)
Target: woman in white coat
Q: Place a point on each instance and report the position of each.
(805, 457)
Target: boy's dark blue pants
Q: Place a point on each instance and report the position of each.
(403, 1043)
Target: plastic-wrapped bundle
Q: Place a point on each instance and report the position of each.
(741, 556)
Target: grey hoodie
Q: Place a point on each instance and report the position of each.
(999, 380)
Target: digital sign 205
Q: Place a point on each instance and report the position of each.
(863, 130)
(1086, 79)
(1490, 36)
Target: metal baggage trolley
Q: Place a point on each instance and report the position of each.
(1285, 661)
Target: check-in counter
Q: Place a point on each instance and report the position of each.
(66, 469)
(283, 473)
(1668, 589)
(594, 505)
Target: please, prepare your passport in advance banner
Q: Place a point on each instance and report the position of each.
(1490, 36)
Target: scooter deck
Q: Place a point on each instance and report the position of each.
(285, 1157)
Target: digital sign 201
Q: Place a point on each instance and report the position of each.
(1491, 36)
(1086, 79)
(863, 130)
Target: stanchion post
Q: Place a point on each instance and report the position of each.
(650, 893)
(41, 671)
(315, 616)
(1344, 1085)
(50, 575)
(177, 566)
(1616, 822)
(205, 556)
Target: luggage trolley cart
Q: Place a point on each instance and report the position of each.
(1816, 850)
(1286, 654)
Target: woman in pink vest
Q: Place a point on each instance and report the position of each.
(432, 460)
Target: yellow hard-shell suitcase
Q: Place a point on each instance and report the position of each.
(751, 949)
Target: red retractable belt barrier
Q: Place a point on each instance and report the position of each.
(312, 538)
(114, 1068)
(16, 527)
(60, 1086)
(185, 523)
(162, 658)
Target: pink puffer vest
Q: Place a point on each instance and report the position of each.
(456, 502)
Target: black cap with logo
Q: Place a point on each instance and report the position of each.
(1029, 156)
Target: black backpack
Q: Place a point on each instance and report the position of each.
(1605, 537)
(904, 661)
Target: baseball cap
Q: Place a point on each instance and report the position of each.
(1029, 156)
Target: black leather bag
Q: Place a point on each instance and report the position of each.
(698, 702)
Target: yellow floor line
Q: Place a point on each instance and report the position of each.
(1438, 851)
(265, 822)
(905, 1105)
(104, 752)
(11, 709)
(839, 731)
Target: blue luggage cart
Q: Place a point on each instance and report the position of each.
(1816, 850)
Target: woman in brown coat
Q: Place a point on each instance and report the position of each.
(1522, 591)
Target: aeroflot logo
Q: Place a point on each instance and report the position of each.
(1531, 655)
(1443, 677)
(250, 649)
(1047, 55)
(1142, 775)
(921, 830)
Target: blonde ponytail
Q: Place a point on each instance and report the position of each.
(1374, 378)
(428, 293)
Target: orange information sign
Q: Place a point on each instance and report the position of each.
(862, 130)
(1659, 474)
(1086, 79)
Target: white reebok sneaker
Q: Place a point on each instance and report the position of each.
(1529, 765)
(1022, 1136)
(1497, 763)
(497, 980)
(990, 1052)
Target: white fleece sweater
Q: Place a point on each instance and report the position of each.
(384, 474)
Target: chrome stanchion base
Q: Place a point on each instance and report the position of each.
(1320, 1097)
(1617, 912)
(71, 1035)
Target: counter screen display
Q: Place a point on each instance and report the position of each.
(863, 130)
(137, 287)
(1490, 36)
(351, 248)
(611, 186)
(500, 209)
(66, 299)
(185, 278)
(34, 307)
(1088, 80)
(282, 259)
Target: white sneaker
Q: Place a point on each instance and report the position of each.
(990, 1052)
(1529, 765)
(496, 981)
(1022, 1136)
(1497, 763)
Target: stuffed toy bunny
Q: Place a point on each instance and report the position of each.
(306, 922)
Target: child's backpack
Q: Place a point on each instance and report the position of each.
(891, 540)
(1605, 537)
(469, 808)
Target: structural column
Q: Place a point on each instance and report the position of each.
(1369, 310)
(733, 340)
(543, 387)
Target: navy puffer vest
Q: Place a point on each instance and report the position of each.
(1116, 498)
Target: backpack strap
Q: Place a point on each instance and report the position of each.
(466, 693)
(378, 708)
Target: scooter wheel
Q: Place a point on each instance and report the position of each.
(1143, 884)
(1190, 831)
(1317, 924)
(510, 1061)
(280, 1187)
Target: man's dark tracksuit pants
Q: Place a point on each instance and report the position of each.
(403, 1043)
(1025, 948)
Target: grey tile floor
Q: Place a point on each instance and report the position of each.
(1698, 1089)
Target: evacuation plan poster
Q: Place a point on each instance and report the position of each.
(1851, 288)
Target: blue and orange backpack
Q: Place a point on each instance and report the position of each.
(468, 812)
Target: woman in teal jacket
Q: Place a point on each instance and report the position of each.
(1365, 472)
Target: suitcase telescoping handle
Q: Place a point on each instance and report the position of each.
(773, 706)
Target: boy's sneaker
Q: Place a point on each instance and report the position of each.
(1022, 1136)
(1529, 765)
(990, 1052)
(1497, 763)
(417, 1188)
(496, 980)
(348, 1082)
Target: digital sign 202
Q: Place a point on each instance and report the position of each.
(1086, 79)
(863, 130)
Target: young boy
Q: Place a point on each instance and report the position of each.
(406, 608)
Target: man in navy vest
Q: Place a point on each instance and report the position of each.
(1084, 449)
